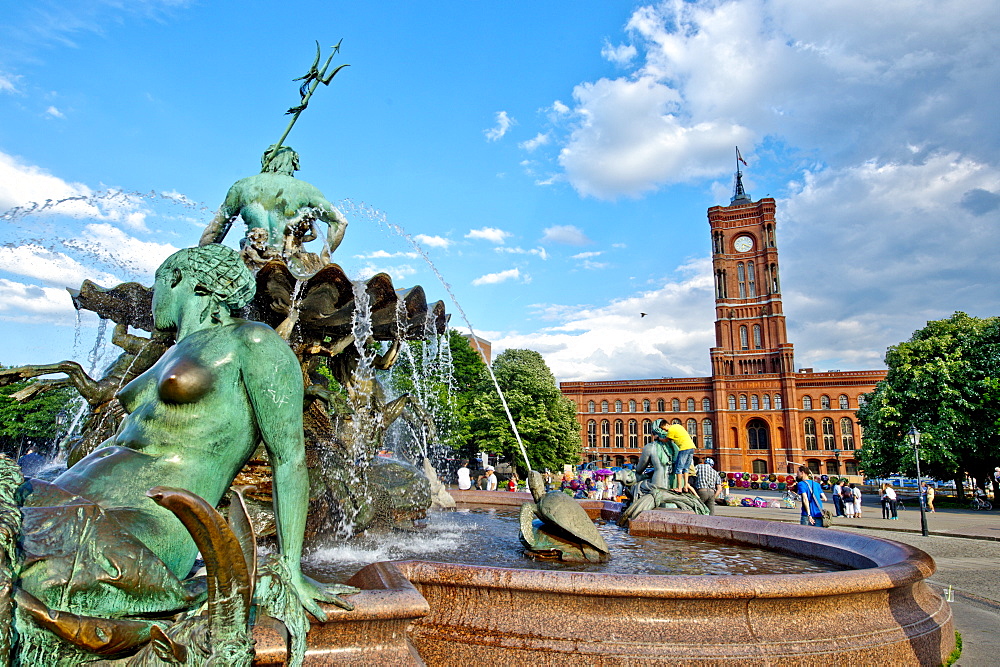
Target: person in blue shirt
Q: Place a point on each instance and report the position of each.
(812, 500)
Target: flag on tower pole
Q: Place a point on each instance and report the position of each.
(740, 157)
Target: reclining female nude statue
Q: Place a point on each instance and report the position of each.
(95, 544)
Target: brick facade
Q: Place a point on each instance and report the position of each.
(756, 413)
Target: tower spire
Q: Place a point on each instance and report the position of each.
(739, 194)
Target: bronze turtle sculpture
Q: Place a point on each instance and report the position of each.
(556, 527)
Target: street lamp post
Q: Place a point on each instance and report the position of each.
(836, 452)
(915, 441)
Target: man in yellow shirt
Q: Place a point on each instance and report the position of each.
(684, 458)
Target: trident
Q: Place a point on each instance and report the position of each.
(310, 81)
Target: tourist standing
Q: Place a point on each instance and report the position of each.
(838, 500)
(856, 492)
(928, 493)
(812, 507)
(847, 497)
(685, 455)
(464, 476)
(707, 483)
(889, 494)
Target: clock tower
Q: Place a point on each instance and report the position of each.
(750, 336)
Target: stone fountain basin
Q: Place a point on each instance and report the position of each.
(882, 613)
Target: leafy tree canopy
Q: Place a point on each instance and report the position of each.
(943, 381)
(545, 419)
(33, 420)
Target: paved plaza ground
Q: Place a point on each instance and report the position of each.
(965, 545)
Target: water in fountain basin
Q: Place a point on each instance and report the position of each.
(488, 536)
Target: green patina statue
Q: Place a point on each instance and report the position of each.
(193, 421)
(647, 492)
(556, 527)
(285, 207)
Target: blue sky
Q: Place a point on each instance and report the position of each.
(555, 160)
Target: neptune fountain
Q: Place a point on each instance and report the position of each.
(253, 410)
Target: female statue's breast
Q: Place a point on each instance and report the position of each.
(184, 380)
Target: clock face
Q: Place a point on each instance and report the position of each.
(743, 244)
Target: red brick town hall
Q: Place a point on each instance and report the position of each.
(756, 412)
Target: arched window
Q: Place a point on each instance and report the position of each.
(633, 434)
(590, 406)
(757, 434)
(646, 405)
(618, 406)
(692, 429)
(731, 400)
(675, 421)
(741, 278)
(604, 406)
(824, 402)
(631, 406)
(758, 466)
(706, 433)
(690, 405)
(754, 402)
(619, 434)
(809, 429)
(758, 342)
(807, 403)
(851, 467)
(592, 433)
(744, 342)
(777, 401)
(706, 404)
(743, 401)
(675, 405)
(845, 403)
(751, 280)
(661, 405)
(647, 432)
(846, 434)
(829, 442)
(605, 433)
(766, 398)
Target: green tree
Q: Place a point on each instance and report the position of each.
(545, 419)
(943, 381)
(33, 420)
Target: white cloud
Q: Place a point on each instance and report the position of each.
(539, 251)
(568, 234)
(49, 267)
(630, 139)
(7, 83)
(432, 241)
(21, 184)
(105, 243)
(614, 341)
(540, 139)
(497, 132)
(29, 303)
(808, 76)
(588, 255)
(383, 254)
(871, 252)
(491, 234)
(500, 277)
(623, 54)
(54, 112)
(397, 273)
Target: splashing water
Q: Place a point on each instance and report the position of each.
(377, 216)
